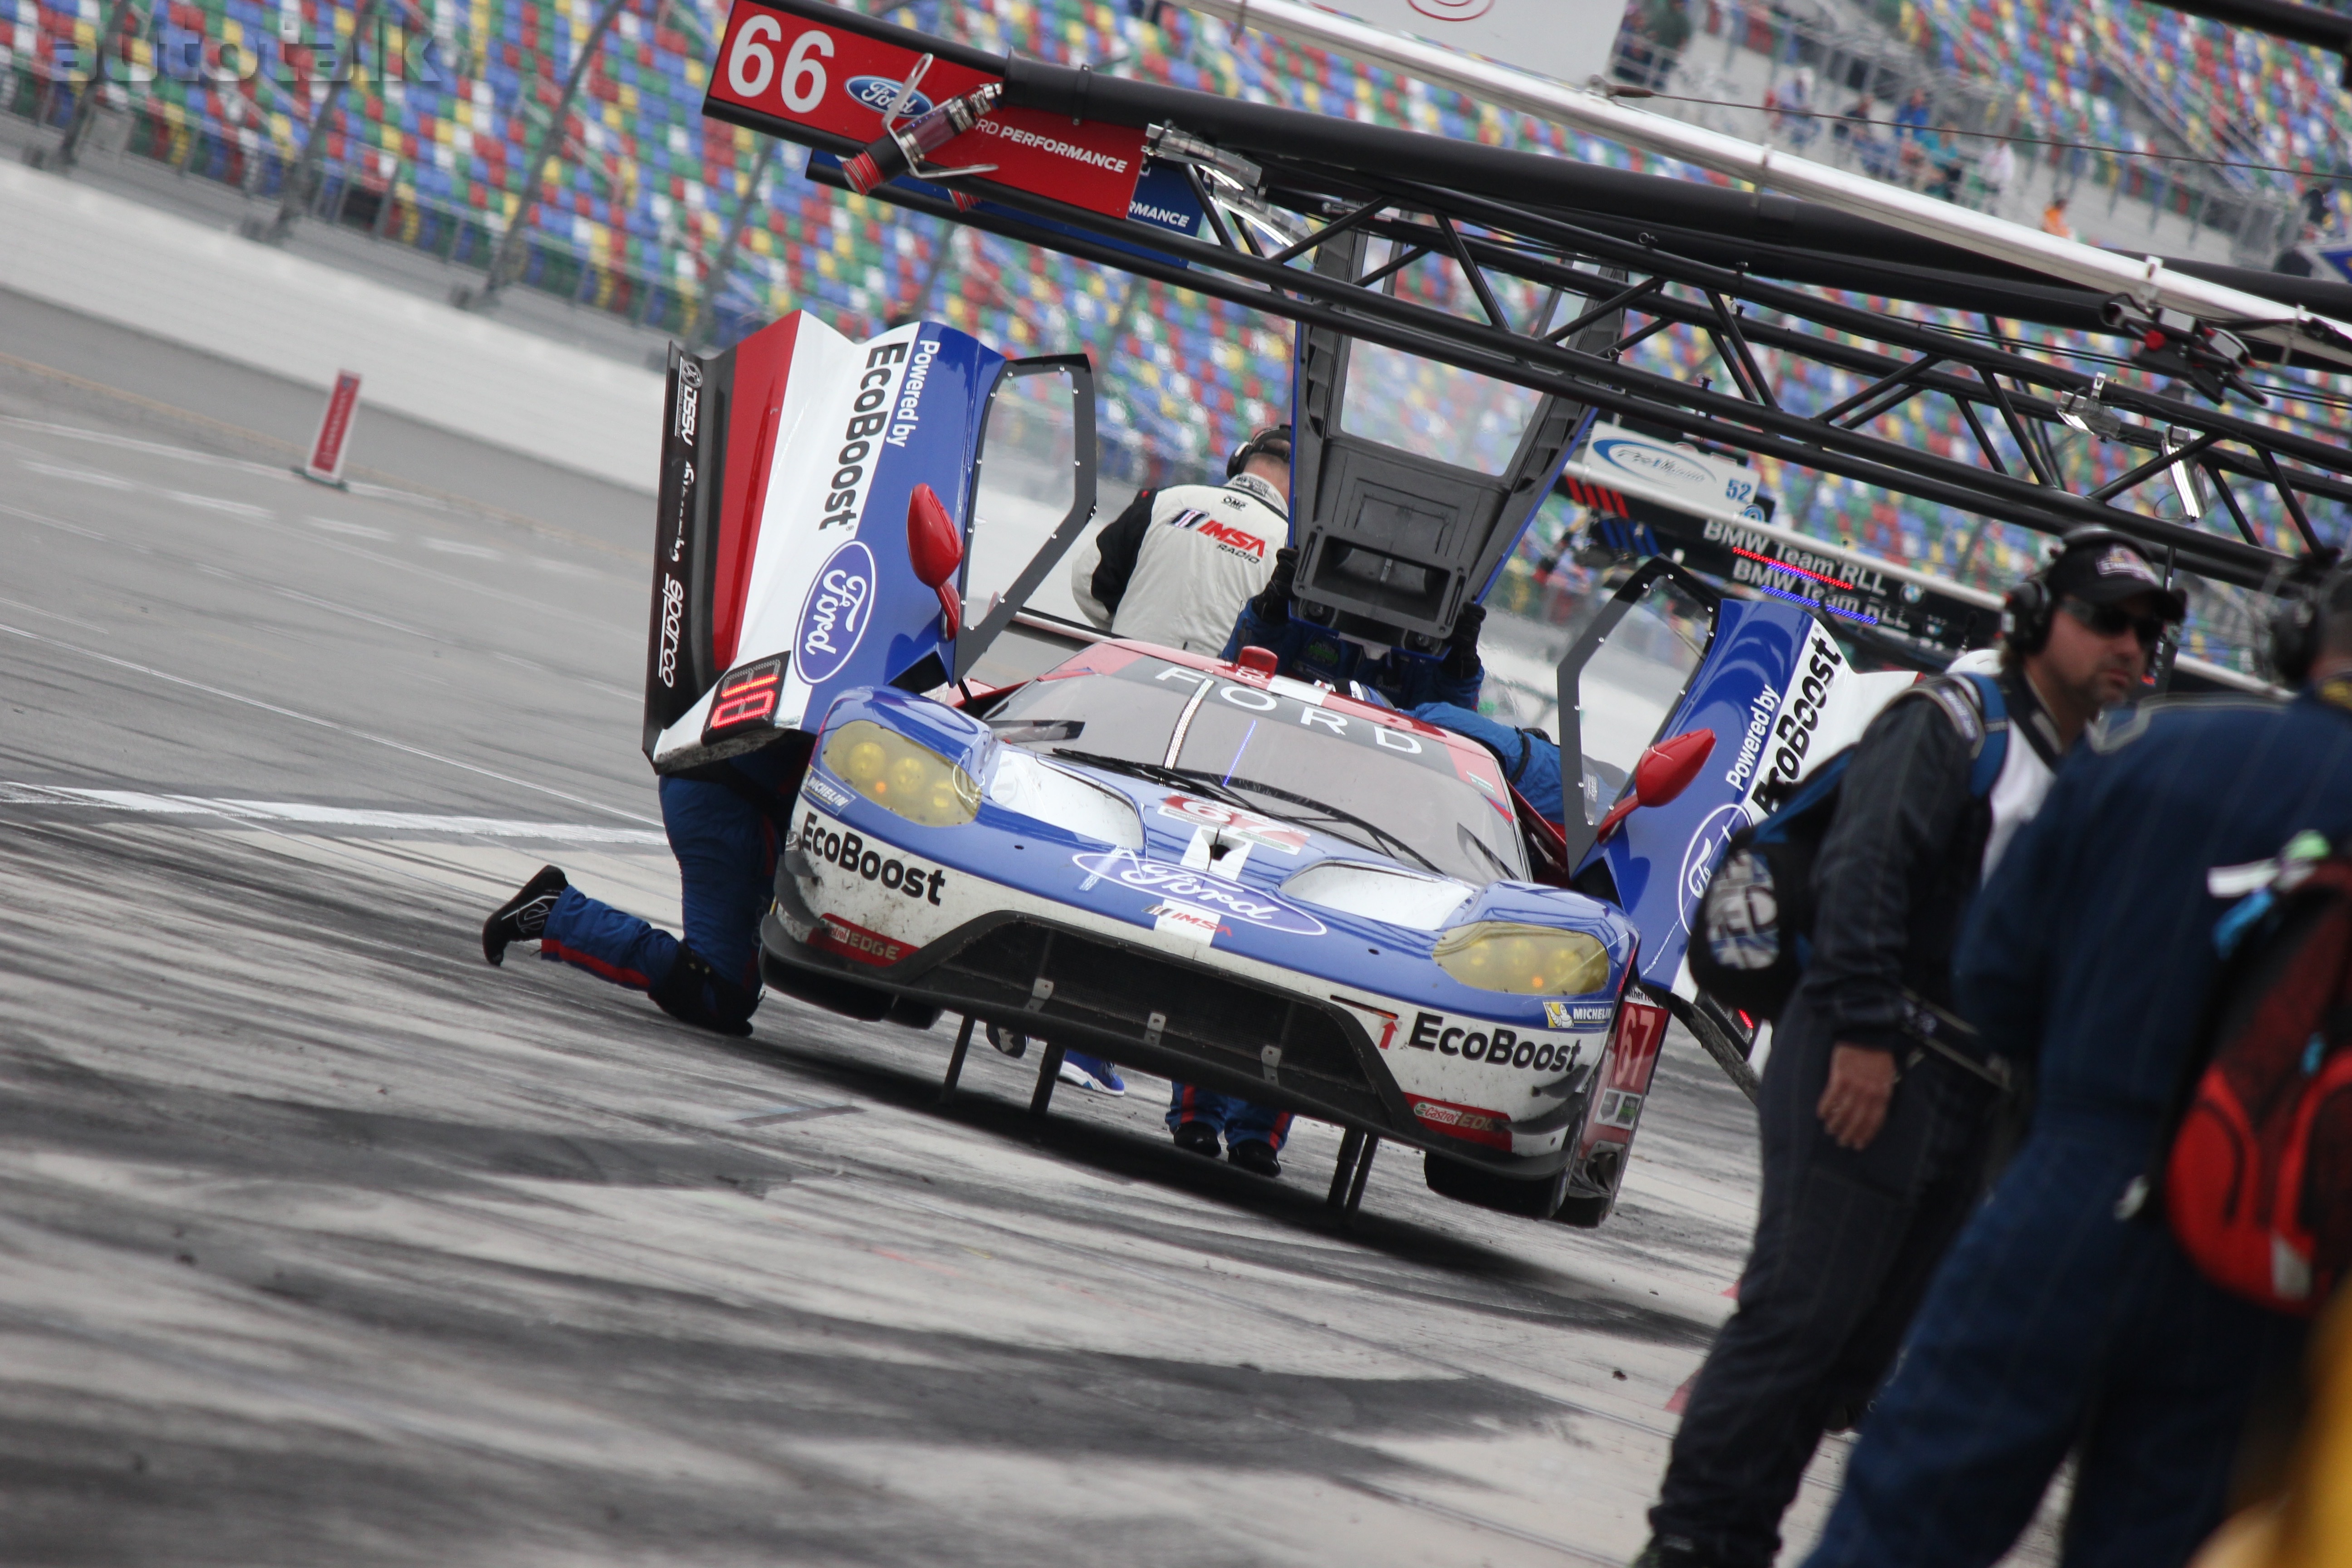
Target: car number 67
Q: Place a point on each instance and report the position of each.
(751, 65)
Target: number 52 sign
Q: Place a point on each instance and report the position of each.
(796, 68)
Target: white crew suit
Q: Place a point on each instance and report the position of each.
(1177, 566)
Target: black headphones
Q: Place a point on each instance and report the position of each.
(2026, 609)
(2292, 645)
(1273, 441)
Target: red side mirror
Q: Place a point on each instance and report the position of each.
(936, 550)
(1667, 768)
(932, 543)
(1664, 771)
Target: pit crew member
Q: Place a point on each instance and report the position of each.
(1427, 685)
(1172, 568)
(1309, 652)
(2067, 1318)
(1864, 1185)
(725, 823)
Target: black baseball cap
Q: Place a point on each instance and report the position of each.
(2109, 569)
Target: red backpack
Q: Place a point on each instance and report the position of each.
(2258, 1179)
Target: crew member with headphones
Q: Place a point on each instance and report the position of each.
(1874, 1147)
(1176, 566)
(2068, 1325)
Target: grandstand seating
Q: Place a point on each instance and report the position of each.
(632, 214)
(2227, 93)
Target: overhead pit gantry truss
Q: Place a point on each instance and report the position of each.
(1288, 199)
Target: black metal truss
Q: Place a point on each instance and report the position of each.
(1484, 236)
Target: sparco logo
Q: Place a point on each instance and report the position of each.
(840, 603)
(673, 611)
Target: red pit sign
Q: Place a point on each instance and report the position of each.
(795, 72)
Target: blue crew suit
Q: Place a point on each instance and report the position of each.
(1309, 652)
(2055, 1322)
(1420, 684)
(723, 831)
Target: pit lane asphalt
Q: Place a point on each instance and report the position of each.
(327, 1242)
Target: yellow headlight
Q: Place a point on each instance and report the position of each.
(900, 776)
(1526, 961)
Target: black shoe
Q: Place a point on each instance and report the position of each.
(1197, 1138)
(1255, 1156)
(524, 916)
(1672, 1552)
(1015, 1046)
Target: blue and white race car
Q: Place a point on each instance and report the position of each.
(1202, 869)
(1237, 880)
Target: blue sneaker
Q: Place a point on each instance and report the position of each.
(1091, 1072)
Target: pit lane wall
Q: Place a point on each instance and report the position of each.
(163, 275)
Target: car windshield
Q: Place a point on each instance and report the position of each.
(1394, 793)
(1127, 715)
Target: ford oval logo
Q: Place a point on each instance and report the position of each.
(879, 92)
(1202, 889)
(1704, 848)
(833, 616)
(1652, 462)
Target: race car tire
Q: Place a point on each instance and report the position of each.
(1586, 1213)
(1468, 1185)
(909, 1015)
(843, 996)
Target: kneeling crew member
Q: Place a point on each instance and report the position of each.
(725, 823)
(1866, 1182)
(1172, 568)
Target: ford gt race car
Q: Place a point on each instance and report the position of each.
(1203, 869)
(1234, 880)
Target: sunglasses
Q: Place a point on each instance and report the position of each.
(2114, 621)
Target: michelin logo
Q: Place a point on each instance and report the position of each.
(1581, 1017)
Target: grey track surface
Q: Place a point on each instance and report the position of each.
(326, 1242)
